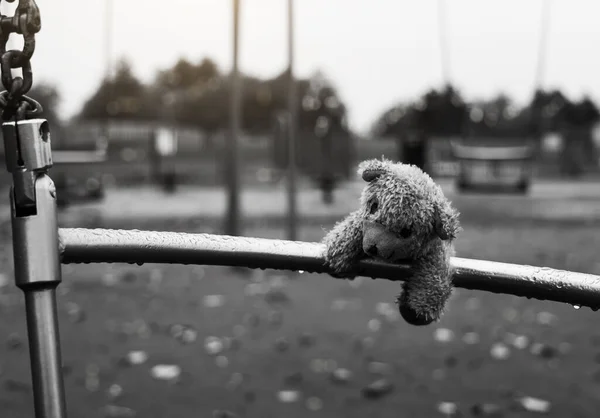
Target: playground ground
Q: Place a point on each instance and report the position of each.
(271, 344)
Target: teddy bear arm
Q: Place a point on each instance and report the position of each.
(426, 293)
(344, 247)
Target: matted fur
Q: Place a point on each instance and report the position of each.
(404, 216)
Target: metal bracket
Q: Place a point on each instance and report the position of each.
(28, 154)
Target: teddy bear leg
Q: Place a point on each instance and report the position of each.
(344, 246)
(425, 295)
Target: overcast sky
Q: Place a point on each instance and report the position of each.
(377, 52)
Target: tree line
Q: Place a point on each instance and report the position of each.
(445, 112)
(197, 95)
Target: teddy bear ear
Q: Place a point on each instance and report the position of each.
(438, 226)
(445, 222)
(372, 174)
(371, 170)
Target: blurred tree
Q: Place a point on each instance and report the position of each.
(263, 99)
(545, 112)
(496, 117)
(192, 94)
(120, 97)
(259, 105)
(201, 96)
(581, 114)
(577, 120)
(393, 121)
(551, 111)
(444, 112)
(185, 75)
(434, 113)
(322, 121)
(198, 95)
(320, 106)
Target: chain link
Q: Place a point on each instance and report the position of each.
(27, 22)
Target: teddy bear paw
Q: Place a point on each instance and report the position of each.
(414, 317)
(417, 317)
(341, 270)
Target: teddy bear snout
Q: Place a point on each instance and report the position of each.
(371, 250)
(379, 242)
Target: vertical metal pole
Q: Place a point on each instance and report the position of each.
(541, 62)
(326, 165)
(36, 257)
(443, 42)
(108, 27)
(541, 66)
(292, 124)
(231, 151)
(108, 36)
(37, 274)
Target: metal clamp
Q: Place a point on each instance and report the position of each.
(28, 154)
(27, 145)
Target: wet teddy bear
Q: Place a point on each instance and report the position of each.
(404, 217)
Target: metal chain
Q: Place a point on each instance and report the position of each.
(27, 22)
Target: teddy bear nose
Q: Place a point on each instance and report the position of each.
(372, 250)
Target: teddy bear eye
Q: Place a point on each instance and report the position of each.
(405, 232)
(374, 206)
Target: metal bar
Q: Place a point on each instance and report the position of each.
(231, 152)
(132, 246)
(292, 125)
(37, 274)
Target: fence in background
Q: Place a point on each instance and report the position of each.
(199, 155)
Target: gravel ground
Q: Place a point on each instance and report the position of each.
(184, 341)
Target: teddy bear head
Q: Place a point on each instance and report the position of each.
(404, 211)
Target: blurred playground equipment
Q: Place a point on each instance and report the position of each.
(496, 168)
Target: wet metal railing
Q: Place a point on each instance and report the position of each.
(133, 246)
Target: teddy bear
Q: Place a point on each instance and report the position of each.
(404, 218)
